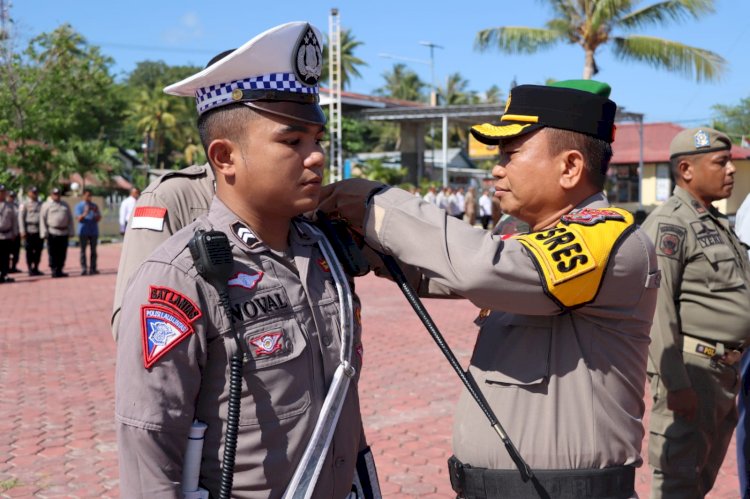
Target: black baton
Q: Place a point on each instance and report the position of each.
(466, 377)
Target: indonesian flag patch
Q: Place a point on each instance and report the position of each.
(244, 280)
(162, 330)
(149, 217)
(268, 343)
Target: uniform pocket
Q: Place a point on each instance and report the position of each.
(725, 271)
(278, 375)
(514, 350)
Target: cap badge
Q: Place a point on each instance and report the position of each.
(308, 58)
(237, 94)
(700, 139)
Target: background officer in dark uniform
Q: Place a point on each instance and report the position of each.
(8, 232)
(15, 250)
(701, 323)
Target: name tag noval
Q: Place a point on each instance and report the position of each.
(573, 255)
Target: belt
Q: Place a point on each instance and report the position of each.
(617, 482)
(716, 351)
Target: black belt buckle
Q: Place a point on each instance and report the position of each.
(456, 474)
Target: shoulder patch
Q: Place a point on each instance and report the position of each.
(571, 258)
(669, 240)
(706, 234)
(162, 330)
(148, 217)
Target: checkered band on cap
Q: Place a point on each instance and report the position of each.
(207, 98)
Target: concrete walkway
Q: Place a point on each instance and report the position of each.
(57, 435)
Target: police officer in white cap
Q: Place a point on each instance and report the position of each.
(300, 428)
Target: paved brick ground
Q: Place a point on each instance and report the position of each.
(56, 397)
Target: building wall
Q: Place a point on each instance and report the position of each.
(728, 206)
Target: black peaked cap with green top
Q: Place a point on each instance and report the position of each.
(581, 106)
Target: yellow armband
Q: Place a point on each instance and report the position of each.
(571, 257)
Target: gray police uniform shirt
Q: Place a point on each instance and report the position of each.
(29, 217)
(287, 318)
(182, 196)
(705, 289)
(8, 220)
(56, 219)
(566, 383)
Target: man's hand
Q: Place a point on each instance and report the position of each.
(683, 403)
(346, 199)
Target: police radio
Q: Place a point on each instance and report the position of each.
(213, 260)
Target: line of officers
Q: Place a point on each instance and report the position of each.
(33, 222)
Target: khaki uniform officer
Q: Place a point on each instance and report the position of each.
(56, 226)
(28, 223)
(8, 233)
(567, 308)
(169, 203)
(701, 322)
(261, 127)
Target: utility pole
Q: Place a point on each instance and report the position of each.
(433, 101)
(334, 108)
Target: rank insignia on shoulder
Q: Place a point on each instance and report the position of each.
(268, 343)
(244, 280)
(148, 217)
(163, 329)
(245, 235)
(590, 216)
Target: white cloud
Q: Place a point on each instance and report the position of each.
(189, 29)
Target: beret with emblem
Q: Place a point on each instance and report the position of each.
(276, 72)
(698, 141)
(581, 106)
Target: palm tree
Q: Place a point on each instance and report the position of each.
(593, 23)
(349, 62)
(493, 95)
(402, 83)
(152, 109)
(455, 93)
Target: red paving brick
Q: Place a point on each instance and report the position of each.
(56, 388)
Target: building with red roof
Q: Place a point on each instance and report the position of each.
(624, 184)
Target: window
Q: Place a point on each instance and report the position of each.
(622, 183)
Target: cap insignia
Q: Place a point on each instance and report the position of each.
(308, 58)
(700, 139)
(237, 94)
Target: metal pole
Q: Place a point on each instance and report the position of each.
(640, 164)
(445, 150)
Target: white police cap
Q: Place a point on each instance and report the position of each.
(277, 72)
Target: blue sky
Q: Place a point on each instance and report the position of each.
(191, 32)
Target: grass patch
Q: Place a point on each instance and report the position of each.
(9, 484)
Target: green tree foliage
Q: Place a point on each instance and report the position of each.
(734, 120)
(403, 83)
(374, 169)
(349, 62)
(164, 124)
(596, 23)
(55, 97)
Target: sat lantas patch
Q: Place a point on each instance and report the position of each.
(165, 322)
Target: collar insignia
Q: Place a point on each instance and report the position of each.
(308, 58)
(268, 343)
(245, 235)
(243, 280)
(323, 264)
